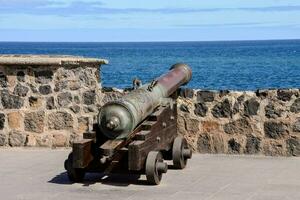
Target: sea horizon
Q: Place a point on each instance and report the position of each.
(216, 65)
(155, 41)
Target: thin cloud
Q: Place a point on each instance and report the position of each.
(221, 25)
(52, 7)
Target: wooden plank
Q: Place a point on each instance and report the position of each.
(142, 135)
(157, 136)
(110, 146)
(147, 125)
(82, 153)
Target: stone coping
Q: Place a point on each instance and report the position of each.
(6, 59)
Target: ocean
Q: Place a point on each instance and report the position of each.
(228, 65)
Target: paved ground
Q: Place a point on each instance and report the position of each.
(39, 174)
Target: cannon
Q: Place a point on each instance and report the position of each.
(136, 133)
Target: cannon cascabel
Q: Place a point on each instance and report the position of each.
(118, 118)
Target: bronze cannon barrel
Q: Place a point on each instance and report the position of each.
(118, 118)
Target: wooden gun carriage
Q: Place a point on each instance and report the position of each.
(143, 149)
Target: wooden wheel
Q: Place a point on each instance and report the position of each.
(155, 167)
(180, 152)
(74, 174)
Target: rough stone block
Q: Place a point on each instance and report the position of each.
(60, 86)
(275, 130)
(21, 76)
(189, 128)
(85, 77)
(21, 90)
(186, 93)
(45, 89)
(272, 112)
(218, 145)
(34, 121)
(11, 80)
(284, 95)
(35, 101)
(16, 139)
(296, 126)
(253, 145)
(74, 85)
(44, 140)
(251, 107)
(261, 93)
(64, 74)
(295, 108)
(223, 93)
(205, 96)
(3, 139)
(210, 126)
(43, 77)
(210, 143)
(240, 126)
(89, 97)
(234, 146)
(200, 109)
(60, 121)
(50, 105)
(30, 141)
(204, 144)
(236, 108)
(3, 80)
(222, 110)
(241, 99)
(60, 140)
(293, 146)
(2, 121)
(274, 148)
(11, 101)
(14, 120)
(76, 99)
(64, 99)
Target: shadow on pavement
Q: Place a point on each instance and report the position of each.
(121, 180)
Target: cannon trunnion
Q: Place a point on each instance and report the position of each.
(137, 141)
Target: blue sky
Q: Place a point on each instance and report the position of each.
(153, 20)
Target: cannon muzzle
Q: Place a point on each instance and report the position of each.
(118, 118)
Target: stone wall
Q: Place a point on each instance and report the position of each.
(262, 122)
(47, 101)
